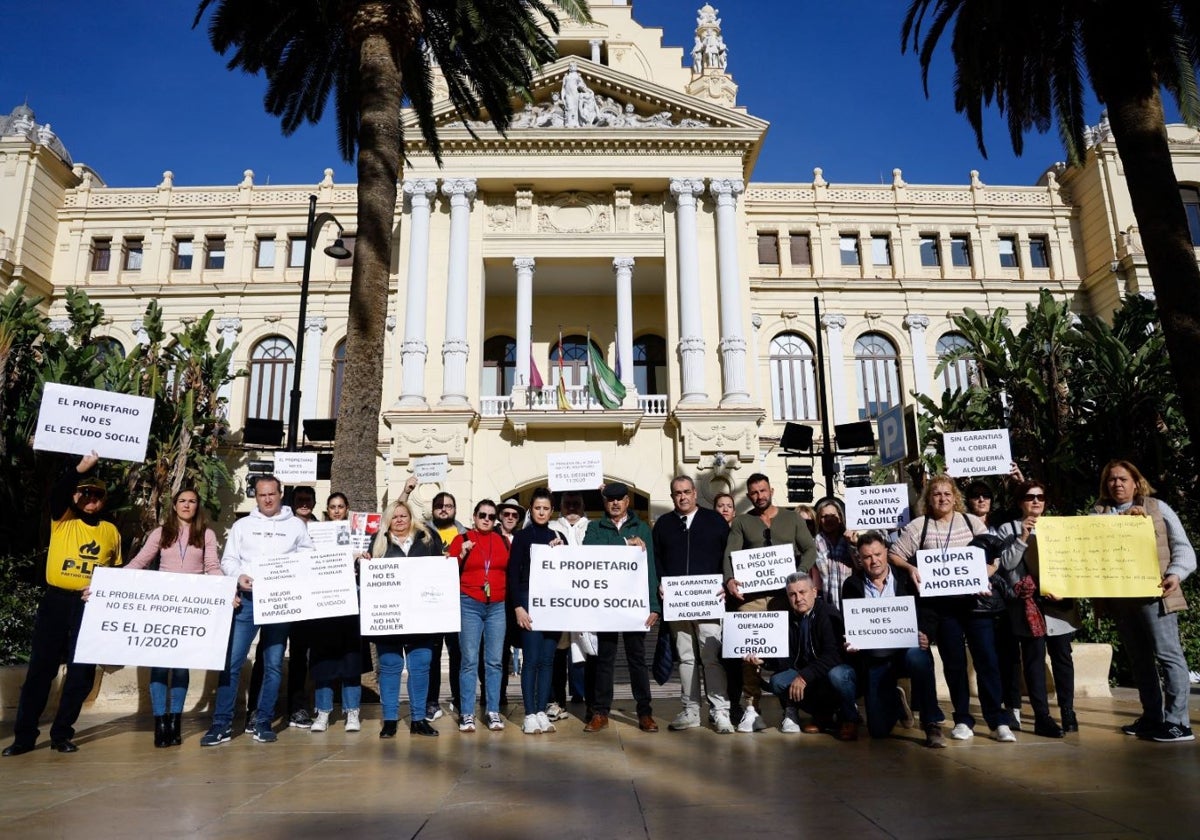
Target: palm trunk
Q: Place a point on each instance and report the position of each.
(355, 452)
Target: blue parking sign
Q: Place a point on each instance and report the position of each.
(893, 445)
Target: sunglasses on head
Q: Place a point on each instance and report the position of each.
(488, 517)
(1034, 497)
(86, 493)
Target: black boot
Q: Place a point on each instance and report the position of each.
(175, 723)
(162, 731)
(1069, 722)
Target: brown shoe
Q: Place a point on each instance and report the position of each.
(848, 731)
(811, 728)
(647, 724)
(597, 723)
(934, 738)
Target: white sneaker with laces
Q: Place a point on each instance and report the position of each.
(1003, 734)
(962, 732)
(531, 726)
(721, 723)
(791, 722)
(687, 719)
(544, 723)
(320, 722)
(353, 720)
(494, 721)
(556, 712)
(466, 723)
(751, 721)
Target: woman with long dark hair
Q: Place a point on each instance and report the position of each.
(537, 646)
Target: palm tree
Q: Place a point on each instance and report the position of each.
(375, 55)
(1030, 57)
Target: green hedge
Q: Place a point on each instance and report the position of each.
(19, 594)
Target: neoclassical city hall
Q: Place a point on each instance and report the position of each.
(620, 209)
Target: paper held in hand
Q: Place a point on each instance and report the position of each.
(304, 585)
(402, 595)
(574, 471)
(881, 623)
(80, 420)
(1098, 557)
(763, 569)
(693, 598)
(296, 467)
(431, 469)
(952, 571)
(761, 634)
(881, 507)
(983, 452)
(588, 587)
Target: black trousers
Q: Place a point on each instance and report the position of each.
(639, 671)
(449, 641)
(1033, 657)
(55, 631)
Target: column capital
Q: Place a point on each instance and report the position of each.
(314, 323)
(459, 188)
(916, 323)
(686, 190)
(390, 323)
(524, 264)
(229, 325)
(726, 190)
(833, 323)
(61, 325)
(414, 345)
(424, 188)
(621, 264)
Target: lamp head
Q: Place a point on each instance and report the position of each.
(338, 250)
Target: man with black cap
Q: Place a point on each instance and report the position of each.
(621, 526)
(79, 542)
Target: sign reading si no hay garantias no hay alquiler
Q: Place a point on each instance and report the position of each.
(82, 420)
(157, 619)
(409, 595)
(882, 507)
(588, 587)
(304, 585)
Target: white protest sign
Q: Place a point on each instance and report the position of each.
(304, 585)
(874, 623)
(588, 587)
(329, 535)
(763, 634)
(431, 469)
(159, 619)
(760, 569)
(969, 454)
(80, 420)
(879, 507)
(693, 598)
(574, 471)
(952, 571)
(409, 595)
(296, 467)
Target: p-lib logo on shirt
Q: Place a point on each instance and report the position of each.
(88, 554)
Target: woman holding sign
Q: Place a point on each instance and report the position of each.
(537, 646)
(946, 526)
(183, 543)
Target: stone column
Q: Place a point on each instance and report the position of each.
(691, 332)
(595, 43)
(139, 332)
(733, 341)
(623, 269)
(917, 325)
(461, 192)
(834, 324)
(414, 350)
(524, 267)
(311, 375)
(229, 328)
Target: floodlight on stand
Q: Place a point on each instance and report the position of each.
(796, 438)
(857, 475)
(858, 435)
(261, 467)
(800, 484)
(263, 432)
(322, 430)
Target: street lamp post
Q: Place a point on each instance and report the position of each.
(338, 251)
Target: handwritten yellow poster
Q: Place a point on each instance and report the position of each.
(1098, 556)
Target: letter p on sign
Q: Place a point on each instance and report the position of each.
(890, 434)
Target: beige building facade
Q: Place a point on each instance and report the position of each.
(620, 208)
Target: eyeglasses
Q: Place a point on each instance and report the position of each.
(511, 513)
(88, 493)
(1034, 497)
(445, 505)
(486, 517)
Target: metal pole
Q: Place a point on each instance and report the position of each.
(294, 408)
(828, 469)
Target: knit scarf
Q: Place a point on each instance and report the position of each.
(1026, 589)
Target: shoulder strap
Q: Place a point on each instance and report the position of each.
(924, 532)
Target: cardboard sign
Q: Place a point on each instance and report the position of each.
(80, 420)
(296, 467)
(881, 623)
(363, 528)
(693, 598)
(409, 595)
(431, 469)
(970, 454)
(588, 587)
(1098, 557)
(882, 507)
(304, 585)
(763, 569)
(761, 634)
(952, 571)
(574, 471)
(158, 619)
(329, 535)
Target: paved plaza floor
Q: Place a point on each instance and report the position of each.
(615, 784)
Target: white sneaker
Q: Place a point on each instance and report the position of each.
(494, 721)
(531, 725)
(1003, 734)
(751, 721)
(543, 719)
(556, 712)
(466, 723)
(962, 732)
(320, 722)
(434, 712)
(907, 720)
(791, 722)
(353, 721)
(721, 723)
(687, 719)
(1016, 716)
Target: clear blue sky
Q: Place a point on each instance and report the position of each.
(132, 90)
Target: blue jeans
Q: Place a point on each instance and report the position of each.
(836, 692)
(537, 670)
(270, 650)
(883, 704)
(351, 695)
(956, 631)
(391, 664)
(1151, 640)
(486, 621)
(159, 693)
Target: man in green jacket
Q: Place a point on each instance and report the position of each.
(621, 526)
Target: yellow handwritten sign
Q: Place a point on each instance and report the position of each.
(1098, 556)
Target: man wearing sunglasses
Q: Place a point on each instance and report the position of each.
(442, 521)
(79, 542)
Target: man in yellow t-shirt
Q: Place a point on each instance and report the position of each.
(79, 542)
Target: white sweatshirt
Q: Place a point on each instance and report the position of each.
(257, 536)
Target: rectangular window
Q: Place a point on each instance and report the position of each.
(133, 255)
(801, 248)
(930, 255)
(296, 251)
(960, 251)
(849, 249)
(265, 252)
(183, 255)
(1008, 252)
(1039, 252)
(768, 249)
(348, 242)
(101, 254)
(881, 249)
(214, 252)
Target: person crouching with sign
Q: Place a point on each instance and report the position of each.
(79, 542)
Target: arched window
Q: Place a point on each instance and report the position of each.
(107, 348)
(961, 374)
(574, 360)
(1191, 207)
(339, 373)
(877, 375)
(271, 362)
(793, 378)
(650, 364)
(499, 366)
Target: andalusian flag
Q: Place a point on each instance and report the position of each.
(603, 384)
